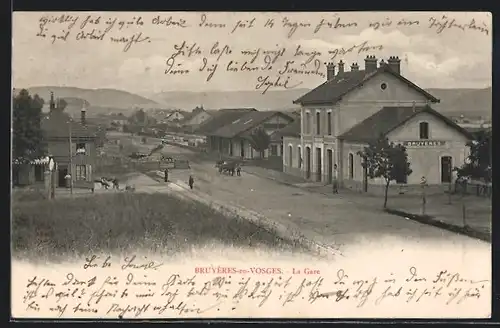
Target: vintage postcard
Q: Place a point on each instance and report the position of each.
(180, 165)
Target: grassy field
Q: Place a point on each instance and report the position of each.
(124, 222)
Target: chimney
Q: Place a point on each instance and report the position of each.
(330, 71)
(82, 115)
(52, 103)
(395, 64)
(354, 67)
(341, 68)
(370, 64)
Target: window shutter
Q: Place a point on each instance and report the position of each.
(73, 172)
(73, 148)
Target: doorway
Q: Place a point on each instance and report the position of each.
(62, 172)
(319, 164)
(242, 149)
(329, 153)
(446, 167)
(308, 162)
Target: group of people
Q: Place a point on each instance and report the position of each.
(190, 180)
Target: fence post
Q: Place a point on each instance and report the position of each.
(464, 222)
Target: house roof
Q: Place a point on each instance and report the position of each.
(246, 122)
(220, 118)
(55, 125)
(333, 90)
(389, 118)
(291, 130)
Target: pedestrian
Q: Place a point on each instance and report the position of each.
(238, 170)
(166, 175)
(191, 182)
(335, 182)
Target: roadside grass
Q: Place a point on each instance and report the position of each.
(130, 222)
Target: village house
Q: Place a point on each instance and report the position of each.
(60, 132)
(197, 117)
(342, 115)
(234, 138)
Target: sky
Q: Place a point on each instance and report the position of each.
(454, 57)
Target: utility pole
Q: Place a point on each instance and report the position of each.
(70, 169)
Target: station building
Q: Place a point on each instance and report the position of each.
(342, 115)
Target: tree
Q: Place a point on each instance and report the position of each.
(27, 140)
(260, 141)
(384, 159)
(478, 163)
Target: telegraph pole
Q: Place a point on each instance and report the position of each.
(70, 169)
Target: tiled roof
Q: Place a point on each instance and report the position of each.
(220, 118)
(291, 130)
(245, 123)
(56, 124)
(333, 90)
(388, 119)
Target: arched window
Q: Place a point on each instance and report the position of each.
(351, 166)
(290, 156)
(424, 130)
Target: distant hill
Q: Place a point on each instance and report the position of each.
(95, 97)
(469, 102)
(272, 100)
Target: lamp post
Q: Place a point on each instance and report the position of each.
(52, 185)
(423, 183)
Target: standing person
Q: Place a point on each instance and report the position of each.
(238, 170)
(191, 182)
(166, 175)
(335, 180)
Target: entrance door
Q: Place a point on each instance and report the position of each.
(62, 172)
(308, 162)
(330, 164)
(242, 149)
(446, 167)
(319, 164)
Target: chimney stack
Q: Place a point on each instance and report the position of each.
(370, 64)
(330, 71)
(355, 67)
(341, 68)
(52, 103)
(82, 115)
(395, 64)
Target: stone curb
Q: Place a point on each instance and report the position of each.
(429, 220)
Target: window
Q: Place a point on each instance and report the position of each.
(290, 156)
(318, 123)
(274, 150)
(80, 148)
(351, 166)
(383, 86)
(281, 150)
(424, 130)
(308, 123)
(329, 123)
(80, 172)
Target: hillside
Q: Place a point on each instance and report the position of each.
(272, 100)
(96, 97)
(469, 102)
